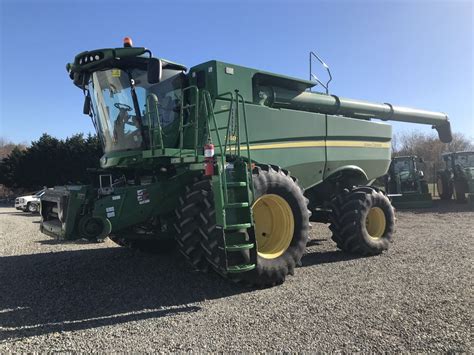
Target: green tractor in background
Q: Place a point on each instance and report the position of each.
(405, 183)
(457, 177)
(231, 162)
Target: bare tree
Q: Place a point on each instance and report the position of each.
(430, 148)
(6, 147)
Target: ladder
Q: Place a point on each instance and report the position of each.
(232, 186)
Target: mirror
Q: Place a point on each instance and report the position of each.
(87, 105)
(154, 71)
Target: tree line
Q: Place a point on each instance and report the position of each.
(49, 161)
(430, 148)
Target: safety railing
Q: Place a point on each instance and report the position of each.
(232, 142)
(153, 116)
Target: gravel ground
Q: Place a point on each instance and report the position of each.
(99, 297)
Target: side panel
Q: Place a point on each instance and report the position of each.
(365, 144)
(291, 139)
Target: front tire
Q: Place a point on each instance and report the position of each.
(193, 204)
(281, 229)
(32, 207)
(362, 221)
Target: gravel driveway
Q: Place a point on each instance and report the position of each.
(100, 297)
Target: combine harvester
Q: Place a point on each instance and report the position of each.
(204, 156)
(405, 183)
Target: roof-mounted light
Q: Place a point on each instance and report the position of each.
(127, 42)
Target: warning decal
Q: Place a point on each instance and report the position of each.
(143, 196)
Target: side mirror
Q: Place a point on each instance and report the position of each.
(154, 70)
(87, 105)
(421, 160)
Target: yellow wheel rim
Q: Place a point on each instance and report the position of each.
(274, 225)
(440, 187)
(375, 222)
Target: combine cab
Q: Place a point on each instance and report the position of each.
(231, 162)
(406, 185)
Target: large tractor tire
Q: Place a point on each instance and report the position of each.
(444, 186)
(362, 221)
(281, 219)
(196, 202)
(460, 190)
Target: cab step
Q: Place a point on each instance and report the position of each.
(239, 247)
(237, 184)
(237, 205)
(238, 226)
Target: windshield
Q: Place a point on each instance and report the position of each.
(464, 160)
(121, 124)
(402, 165)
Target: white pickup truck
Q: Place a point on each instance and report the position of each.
(29, 203)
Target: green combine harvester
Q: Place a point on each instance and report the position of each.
(457, 178)
(204, 156)
(405, 183)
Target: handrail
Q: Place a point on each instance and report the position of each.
(151, 123)
(191, 122)
(312, 76)
(234, 113)
(210, 113)
(249, 160)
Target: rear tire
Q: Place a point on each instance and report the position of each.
(444, 187)
(362, 221)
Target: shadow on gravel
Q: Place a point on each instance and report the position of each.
(325, 257)
(313, 242)
(440, 206)
(73, 290)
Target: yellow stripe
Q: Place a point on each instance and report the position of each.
(320, 143)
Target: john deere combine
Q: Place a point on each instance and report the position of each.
(204, 155)
(405, 183)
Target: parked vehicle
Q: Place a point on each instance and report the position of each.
(29, 203)
(405, 183)
(457, 177)
(204, 155)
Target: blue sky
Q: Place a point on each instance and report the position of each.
(412, 53)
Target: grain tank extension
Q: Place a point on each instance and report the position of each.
(230, 162)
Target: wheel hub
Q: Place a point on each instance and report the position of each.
(375, 222)
(274, 225)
